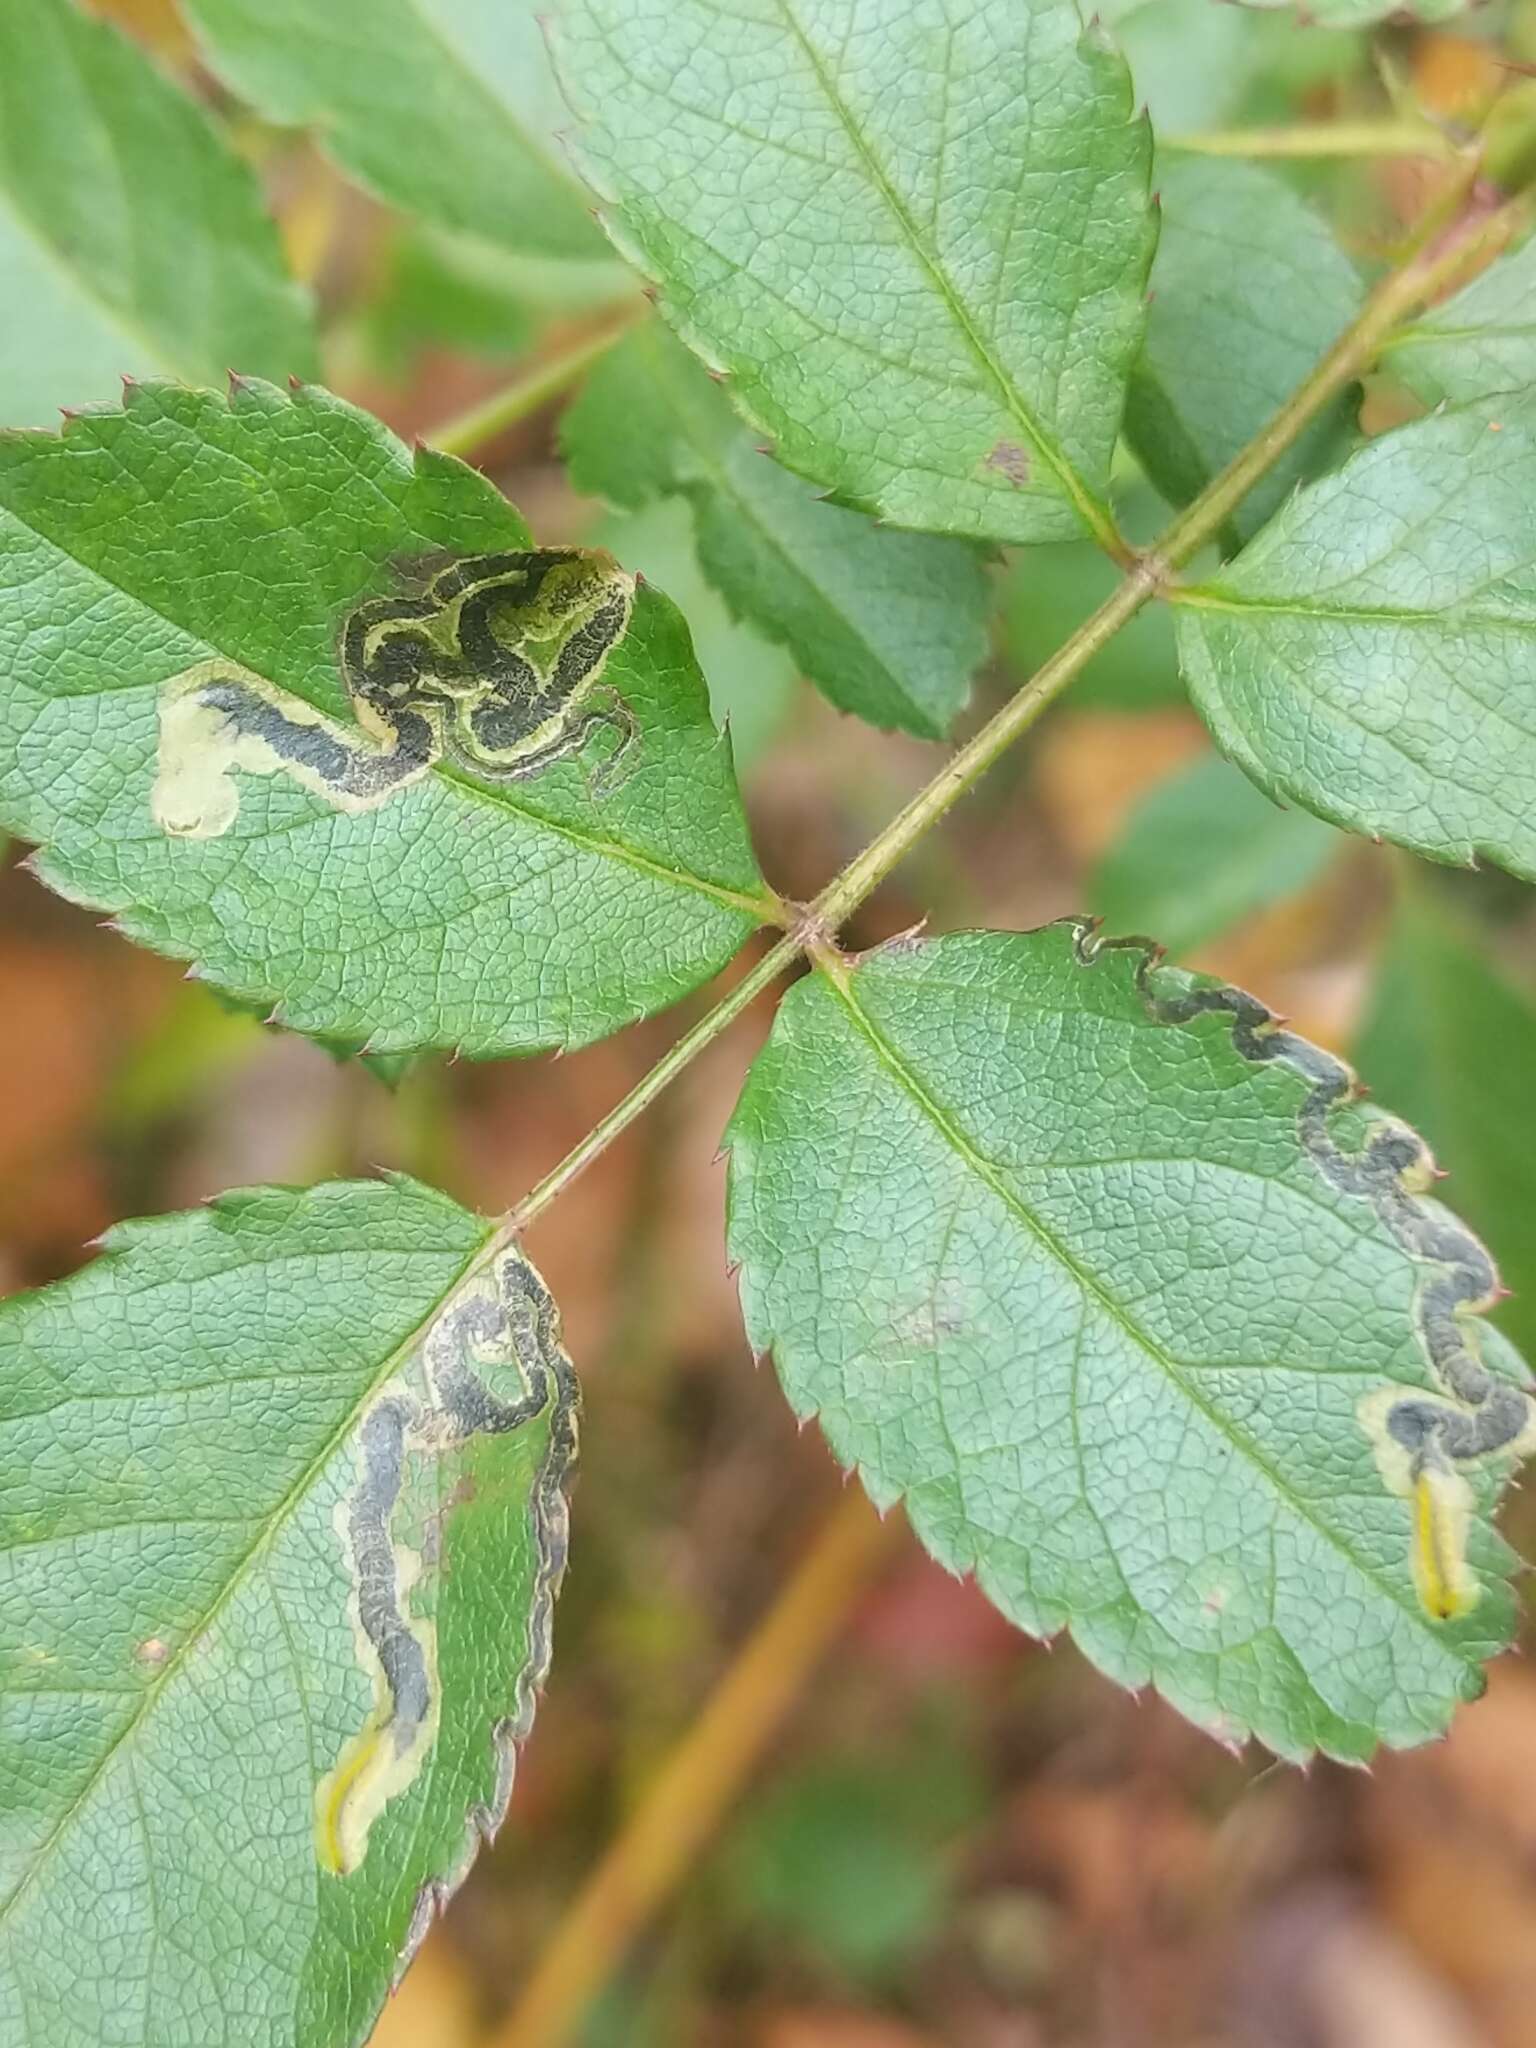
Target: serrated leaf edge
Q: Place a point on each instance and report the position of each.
(1091, 510)
(551, 1515)
(1416, 1167)
(137, 921)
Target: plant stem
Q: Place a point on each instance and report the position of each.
(864, 875)
(525, 395)
(644, 1093)
(1402, 292)
(684, 1802)
(1426, 270)
(1346, 138)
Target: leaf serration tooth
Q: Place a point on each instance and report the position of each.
(1421, 1440)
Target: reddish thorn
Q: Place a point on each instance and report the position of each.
(295, 383)
(717, 375)
(640, 583)
(236, 381)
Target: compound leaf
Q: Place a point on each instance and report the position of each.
(888, 625)
(916, 236)
(1450, 1041)
(1372, 654)
(1248, 290)
(440, 106)
(1202, 851)
(132, 238)
(284, 1521)
(496, 917)
(1101, 1272)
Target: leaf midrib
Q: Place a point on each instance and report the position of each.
(592, 842)
(1209, 598)
(992, 1178)
(1093, 514)
(242, 1567)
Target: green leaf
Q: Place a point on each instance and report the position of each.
(1090, 1264)
(440, 106)
(1372, 654)
(1203, 851)
(222, 1819)
(440, 290)
(752, 685)
(1336, 14)
(1196, 66)
(494, 917)
(888, 625)
(1248, 290)
(1480, 342)
(132, 238)
(845, 1860)
(1451, 1042)
(916, 236)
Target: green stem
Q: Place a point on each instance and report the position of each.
(1346, 138)
(964, 769)
(1402, 292)
(645, 1092)
(1425, 271)
(528, 394)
